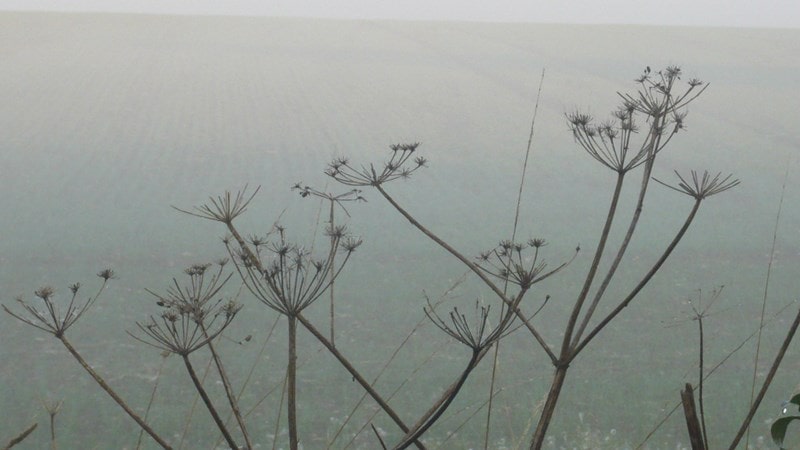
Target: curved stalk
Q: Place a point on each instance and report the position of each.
(767, 381)
(113, 394)
(473, 267)
(357, 376)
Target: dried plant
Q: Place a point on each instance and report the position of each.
(353, 195)
(20, 437)
(289, 277)
(660, 106)
(286, 276)
(51, 319)
(192, 319)
(52, 409)
(399, 166)
(704, 186)
(224, 208)
(641, 128)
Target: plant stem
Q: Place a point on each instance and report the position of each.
(438, 409)
(199, 386)
(189, 416)
(549, 406)
(291, 371)
(568, 356)
(625, 302)
(333, 275)
(20, 437)
(357, 376)
(473, 267)
(496, 355)
(228, 391)
(587, 284)
(766, 292)
(53, 444)
(149, 402)
(696, 437)
(329, 345)
(652, 143)
(767, 381)
(112, 393)
(700, 382)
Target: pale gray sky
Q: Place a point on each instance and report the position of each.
(736, 13)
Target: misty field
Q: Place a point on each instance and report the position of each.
(109, 120)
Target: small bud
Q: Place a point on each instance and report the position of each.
(536, 243)
(351, 243)
(106, 274)
(44, 293)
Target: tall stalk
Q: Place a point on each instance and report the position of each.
(496, 353)
(229, 394)
(291, 373)
(765, 296)
(662, 107)
(111, 393)
(207, 401)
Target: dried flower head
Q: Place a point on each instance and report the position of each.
(55, 317)
(195, 298)
(106, 274)
(192, 315)
(510, 262)
(660, 102)
(287, 277)
(399, 165)
(177, 331)
(223, 208)
(702, 186)
(472, 333)
(353, 195)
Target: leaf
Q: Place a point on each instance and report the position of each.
(778, 428)
(796, 400)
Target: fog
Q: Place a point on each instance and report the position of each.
(109, 120)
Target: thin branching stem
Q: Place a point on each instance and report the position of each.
(231, 396)
(150, 401)
(20, 437)
(587, 283)
(357, 376)
(700, 369)
(627, 300)
(291, 373)
(251, 256)
(434, 413)
(765, 296)
(113, 394)
(767, 382)
(210, 406)
(472, 266)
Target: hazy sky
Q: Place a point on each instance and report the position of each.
(738, 13)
